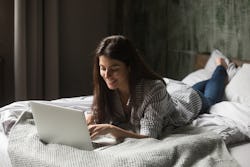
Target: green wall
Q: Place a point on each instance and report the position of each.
(170, 33)
(204, 25)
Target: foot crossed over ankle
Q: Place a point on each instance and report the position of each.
(221, 61)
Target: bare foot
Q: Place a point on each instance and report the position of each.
(221, 61)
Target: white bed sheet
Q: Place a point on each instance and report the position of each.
(13, 110)
(229, 119)
(4, 157)
(236, 116)
(241, 153)
(225, 113)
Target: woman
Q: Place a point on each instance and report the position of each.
(130, 100)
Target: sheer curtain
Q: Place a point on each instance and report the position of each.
(36, 57)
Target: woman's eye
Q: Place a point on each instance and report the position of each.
(114, 69)
(102, 68)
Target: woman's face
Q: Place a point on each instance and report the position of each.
(114, 72)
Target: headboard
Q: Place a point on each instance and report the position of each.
(202, 58)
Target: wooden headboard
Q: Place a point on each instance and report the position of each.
(202, 58)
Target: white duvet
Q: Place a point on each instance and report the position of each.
(4, 158)
(229, 119)
(10, 113)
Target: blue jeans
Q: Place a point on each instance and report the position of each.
(211, 91)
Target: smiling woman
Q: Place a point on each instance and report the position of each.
(130, 100)
(118, 70)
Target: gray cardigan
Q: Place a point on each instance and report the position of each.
(158, 106)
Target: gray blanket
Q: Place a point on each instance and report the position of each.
(201, 150)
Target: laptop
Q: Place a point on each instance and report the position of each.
(61, 125)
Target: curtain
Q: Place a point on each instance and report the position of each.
(36, 57)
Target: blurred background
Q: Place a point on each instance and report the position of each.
(47, 46)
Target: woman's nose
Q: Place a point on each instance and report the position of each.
(108, 73)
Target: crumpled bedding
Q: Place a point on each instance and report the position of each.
(232, 126)
(228, 119)
(178, 149)
(231, 120)
(10, 113)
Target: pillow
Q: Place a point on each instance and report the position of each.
(197, 76)
(207, 71)
(238, 89)
(231, 120)
(211, 63)
(232, 70)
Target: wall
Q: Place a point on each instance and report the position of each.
(145, 23)
(205, 25)
(168, 33)
(82, 24)
(171, 32)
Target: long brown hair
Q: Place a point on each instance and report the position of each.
(120, 48)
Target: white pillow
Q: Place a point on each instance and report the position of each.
(232, 70)
(207, 71)
(231, 120)
(238, 89)
(197, 76)
(211, 63)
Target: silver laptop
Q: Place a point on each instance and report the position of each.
(61, 125)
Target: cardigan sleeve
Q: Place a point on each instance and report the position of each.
(155, 106)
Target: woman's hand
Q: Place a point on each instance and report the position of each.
(100, 129)
(118, 133)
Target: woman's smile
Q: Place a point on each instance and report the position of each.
(111, 83)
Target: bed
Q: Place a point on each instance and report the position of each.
(220, 138)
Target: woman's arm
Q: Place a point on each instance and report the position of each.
(119, 133)
(154, 109)
(102, 129)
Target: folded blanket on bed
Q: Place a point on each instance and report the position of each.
(204, 149)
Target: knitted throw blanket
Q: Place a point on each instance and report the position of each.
(205, 149)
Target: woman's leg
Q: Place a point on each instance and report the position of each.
(200, 86)
(214, 89)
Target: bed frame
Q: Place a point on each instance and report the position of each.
(202, 58)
